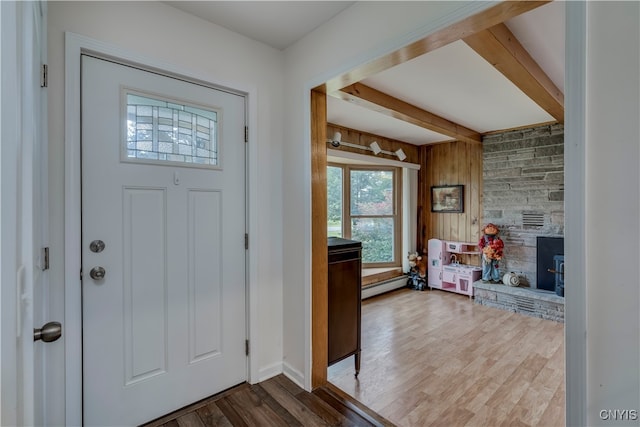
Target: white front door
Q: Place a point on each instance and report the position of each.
(163, 202)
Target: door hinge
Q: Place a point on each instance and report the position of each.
(246, 240)
(45, 259)
(246, 134)
(246, 347)
(44, 75)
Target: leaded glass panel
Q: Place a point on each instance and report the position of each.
(170, 132)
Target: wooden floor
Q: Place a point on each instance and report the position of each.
(275, 402)
(429, 358)
(435, 358)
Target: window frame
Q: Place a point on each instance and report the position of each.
(396, 215)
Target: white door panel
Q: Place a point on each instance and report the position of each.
(166, 325)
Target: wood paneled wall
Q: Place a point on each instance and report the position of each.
(362, 138)
(443, 164)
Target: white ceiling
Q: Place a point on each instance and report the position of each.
(453, 81)
(276, 23)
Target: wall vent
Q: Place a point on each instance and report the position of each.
(532, 219)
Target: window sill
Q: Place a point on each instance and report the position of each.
(371, 276)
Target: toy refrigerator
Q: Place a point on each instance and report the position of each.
(437, 258)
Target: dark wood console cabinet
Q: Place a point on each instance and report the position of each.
(345, 300)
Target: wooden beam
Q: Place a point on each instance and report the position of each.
(498, 46)
(471, 25)
(373, 99)
(319, 251)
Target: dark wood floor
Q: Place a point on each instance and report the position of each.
(275, 402)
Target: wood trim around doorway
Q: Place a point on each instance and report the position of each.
(319, 254)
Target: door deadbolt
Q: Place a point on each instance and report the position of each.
(97, 273)
(48, 333)
(96, 246)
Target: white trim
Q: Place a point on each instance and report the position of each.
(364, 158)
(270, 371)
(409, 216)
(575, 207)
(75, 45)
(9, 135)
(22, 217)
(293, 374)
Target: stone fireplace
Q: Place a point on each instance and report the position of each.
(523, 194)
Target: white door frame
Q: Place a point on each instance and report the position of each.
(75, 45)
(24, 218)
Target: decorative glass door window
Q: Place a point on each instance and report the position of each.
(167, 131)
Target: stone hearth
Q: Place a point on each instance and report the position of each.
(528, 301)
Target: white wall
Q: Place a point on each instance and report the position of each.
(163, 33)
(613, 209)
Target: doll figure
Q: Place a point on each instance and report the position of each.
(491, 246)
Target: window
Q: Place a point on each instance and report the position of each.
(166, 131)
(363, 204)
(334, 201)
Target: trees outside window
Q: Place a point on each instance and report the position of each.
(363, 205)
(334, 201)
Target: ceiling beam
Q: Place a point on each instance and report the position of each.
(468, 26)
(375, 100)
(498, 46)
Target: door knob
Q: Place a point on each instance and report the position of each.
(97, 273)
(48, 333)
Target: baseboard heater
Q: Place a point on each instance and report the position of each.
(384, 286)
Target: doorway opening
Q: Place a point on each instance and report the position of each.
(319, 205)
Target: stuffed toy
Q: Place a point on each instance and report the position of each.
(417, 271)
(413, 257)
(491, 246)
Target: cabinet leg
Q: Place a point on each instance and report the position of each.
(357, 362)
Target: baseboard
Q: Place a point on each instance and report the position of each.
(293, 374)
(382, 287)
(270, 371)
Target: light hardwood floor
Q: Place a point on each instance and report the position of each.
(437, 358)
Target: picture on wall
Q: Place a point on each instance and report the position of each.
(447, 198)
